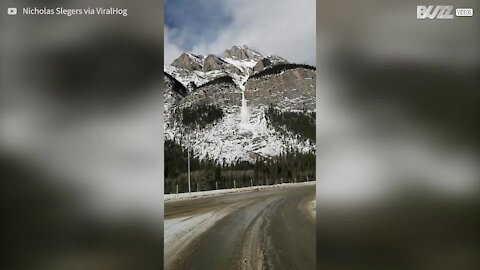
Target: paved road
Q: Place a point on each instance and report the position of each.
(269, 229)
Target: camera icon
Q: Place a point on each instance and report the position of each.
(12, 11)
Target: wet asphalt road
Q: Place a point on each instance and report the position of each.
(270, 229)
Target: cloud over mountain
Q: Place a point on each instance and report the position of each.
(281, 27)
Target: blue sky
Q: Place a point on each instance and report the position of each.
(282, 27)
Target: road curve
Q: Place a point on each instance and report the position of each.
(267, 229)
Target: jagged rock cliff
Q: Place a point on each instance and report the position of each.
(292, 89)
(189, 62)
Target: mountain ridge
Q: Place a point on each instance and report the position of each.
(239, 62)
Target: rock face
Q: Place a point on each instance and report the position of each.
(174, 92)
(242, 53)
(262, 64)
(292, 89)
(192, 79)
(226, 95)
(189, 62)
(174, 87)
(239, 62)
(212, 62)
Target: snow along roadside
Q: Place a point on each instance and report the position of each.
(180, 232)
(210, 193)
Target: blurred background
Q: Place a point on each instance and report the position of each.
(397, 137)
(81, 148)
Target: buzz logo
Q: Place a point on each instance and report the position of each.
(435, 12)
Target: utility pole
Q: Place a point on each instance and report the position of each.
(188, 158)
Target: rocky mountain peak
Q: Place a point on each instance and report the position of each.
(242, 53)
(212, 62)
(188, 61)
(239, 62)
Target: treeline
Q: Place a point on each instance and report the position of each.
(222, 79)
(208, 174)
(201, 115)
(302, 123)
(276, 69)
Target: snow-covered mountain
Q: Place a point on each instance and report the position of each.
(230, 98)
(239, 62)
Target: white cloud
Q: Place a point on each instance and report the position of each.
(171, 50)
(282, 27)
